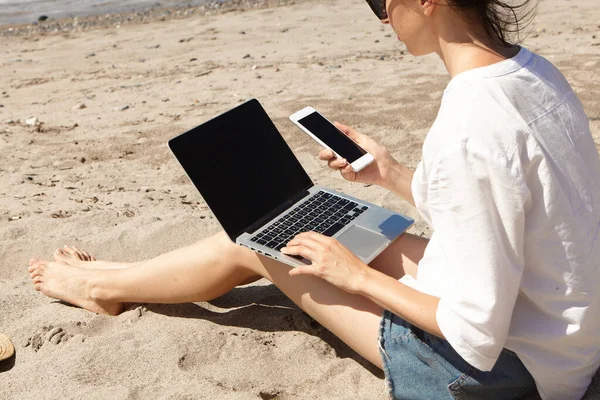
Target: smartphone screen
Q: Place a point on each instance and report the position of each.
(332, 137)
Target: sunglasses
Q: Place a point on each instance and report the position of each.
(378, 7)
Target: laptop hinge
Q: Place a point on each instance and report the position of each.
(275, 212)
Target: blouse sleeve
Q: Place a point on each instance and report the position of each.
(476, 201)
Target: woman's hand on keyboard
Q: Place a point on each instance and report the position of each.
(331, 261)
(373, 174)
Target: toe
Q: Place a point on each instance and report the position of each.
(75, 253)
(81, 254)
(59, 254)
(86, 255)
(39, 268)
(34, 264)
(68, 250)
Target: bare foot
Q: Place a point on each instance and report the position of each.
(73, 252)
(80, 258)
(68, 283)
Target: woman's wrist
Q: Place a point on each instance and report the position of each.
(397, 178)
(363, 282)
(386, 168)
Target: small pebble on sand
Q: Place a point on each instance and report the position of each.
(33, 121)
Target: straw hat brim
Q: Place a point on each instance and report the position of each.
(7, 350)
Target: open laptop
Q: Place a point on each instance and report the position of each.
(261, 195)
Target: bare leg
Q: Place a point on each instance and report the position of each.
(213, 267)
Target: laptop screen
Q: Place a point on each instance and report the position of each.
(241, 165)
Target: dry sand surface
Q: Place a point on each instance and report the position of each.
(95, 171)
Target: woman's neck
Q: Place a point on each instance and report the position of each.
(463, 50)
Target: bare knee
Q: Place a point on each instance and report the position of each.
(221, 246)
(401, 257)
(223, 242)
(236, 256)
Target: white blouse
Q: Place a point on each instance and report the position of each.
(510, 183)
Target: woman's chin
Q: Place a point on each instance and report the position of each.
(417, 51)
(410, 49)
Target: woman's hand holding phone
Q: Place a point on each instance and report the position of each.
(373, 174)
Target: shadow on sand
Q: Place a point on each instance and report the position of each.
(266, 309)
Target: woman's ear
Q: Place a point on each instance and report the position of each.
(427, 6)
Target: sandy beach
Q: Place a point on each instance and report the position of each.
(85, 114)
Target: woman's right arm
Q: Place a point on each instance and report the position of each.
(384, 171)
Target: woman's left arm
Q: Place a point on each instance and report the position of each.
(413, 306)
(334, 263)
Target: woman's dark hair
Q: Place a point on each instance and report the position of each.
(503, 20)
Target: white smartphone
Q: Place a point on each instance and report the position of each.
(330, 137)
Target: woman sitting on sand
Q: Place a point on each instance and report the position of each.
(502, 300)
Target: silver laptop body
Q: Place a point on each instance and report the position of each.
(367, 235)
(262, 196)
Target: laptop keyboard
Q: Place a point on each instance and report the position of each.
(323, 212)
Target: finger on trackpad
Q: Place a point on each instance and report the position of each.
(361, 241)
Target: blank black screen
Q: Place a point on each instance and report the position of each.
(241, 165)
(332, 137)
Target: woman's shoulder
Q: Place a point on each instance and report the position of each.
(477, 120)
(523, 88)
(497, 106)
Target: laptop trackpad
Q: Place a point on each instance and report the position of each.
(361, 241)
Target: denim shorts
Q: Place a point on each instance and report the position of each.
(421, 366)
